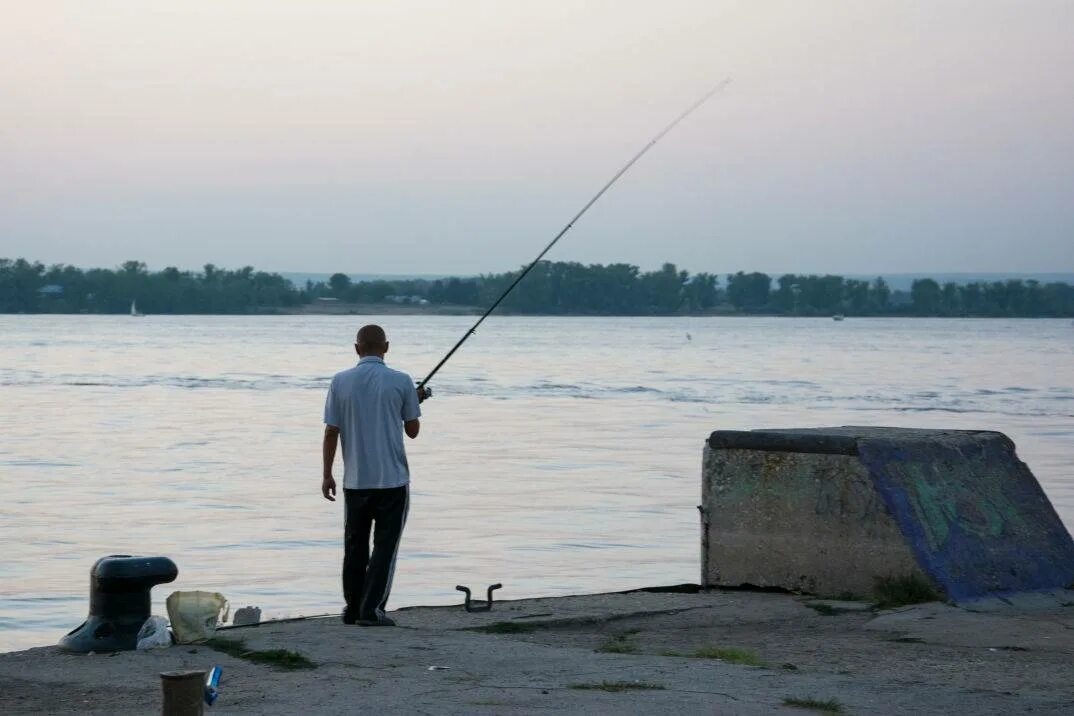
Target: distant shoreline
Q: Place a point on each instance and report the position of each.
(391, 309)
(550, 289)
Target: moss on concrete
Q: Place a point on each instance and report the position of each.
(618, 686)
(827, 706)
(278, 658)
(902, 590)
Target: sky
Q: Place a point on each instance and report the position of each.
(458, 137)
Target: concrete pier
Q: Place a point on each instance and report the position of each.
(829, 510)
(715, 652)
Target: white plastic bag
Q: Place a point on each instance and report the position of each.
(154, 634)
(195, 615)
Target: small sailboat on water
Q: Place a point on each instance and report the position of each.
(134, 311)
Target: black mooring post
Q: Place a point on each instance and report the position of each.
(119, 602)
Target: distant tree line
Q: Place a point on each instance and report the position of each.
(563, 288)
(27, 287)
(552, 288)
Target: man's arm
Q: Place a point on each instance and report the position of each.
(328, 456)
(411, 410)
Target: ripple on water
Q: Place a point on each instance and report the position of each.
(597, 545)
(265, 545)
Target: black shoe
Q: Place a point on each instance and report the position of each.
(349, 619)
(377, 621)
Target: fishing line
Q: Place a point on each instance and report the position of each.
(652, 142)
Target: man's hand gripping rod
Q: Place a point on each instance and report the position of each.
(426, 392)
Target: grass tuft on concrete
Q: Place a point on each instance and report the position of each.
(278, 658)
(507, 628)
(903, 590)
(732, 655)
(826, 610)
(614, 686)
(828, 706)
(619, 644)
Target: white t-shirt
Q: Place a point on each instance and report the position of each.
(369, 403)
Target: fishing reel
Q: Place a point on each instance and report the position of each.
(424, 393)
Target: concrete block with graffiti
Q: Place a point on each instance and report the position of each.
(829, 510)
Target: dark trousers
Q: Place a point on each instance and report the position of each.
(367, 579)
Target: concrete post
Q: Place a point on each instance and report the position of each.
(183, 693)
(830, 510)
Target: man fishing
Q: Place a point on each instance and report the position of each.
(370, 406)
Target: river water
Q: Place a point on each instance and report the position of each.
(559, 455)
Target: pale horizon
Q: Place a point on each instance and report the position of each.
(456, 139)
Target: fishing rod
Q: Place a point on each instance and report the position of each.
(652, 142)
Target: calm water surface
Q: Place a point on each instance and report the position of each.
(558, 456)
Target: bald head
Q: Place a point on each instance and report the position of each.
(371, 341)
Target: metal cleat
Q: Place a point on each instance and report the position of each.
(478, 606)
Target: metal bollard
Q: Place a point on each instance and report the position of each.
(183, 693)
(119, 602)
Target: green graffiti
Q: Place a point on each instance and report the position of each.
(972, 499)
(935, 511)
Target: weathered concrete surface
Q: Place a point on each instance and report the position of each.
(801, 521)
(828, 510)
(930, 659)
